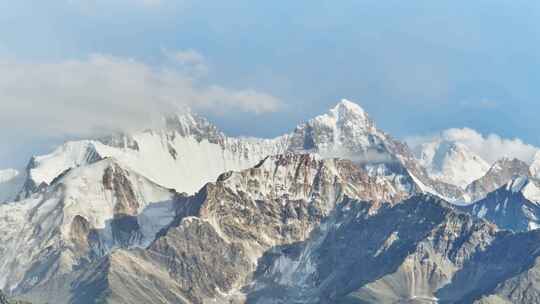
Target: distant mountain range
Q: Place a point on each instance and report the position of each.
(336, 211)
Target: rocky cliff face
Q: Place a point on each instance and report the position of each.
(213, 246)
(418, 251)
(309, 230)
(229, 244)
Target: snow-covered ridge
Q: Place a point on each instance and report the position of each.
(514, 206)
(528, 187)
(86, 212)
(185, 154)
(498, 175)
(45, 168)
(189, 151)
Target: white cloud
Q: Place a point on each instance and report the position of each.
(190, 61)
(188, 57)
(491, 147)
(369, 156)
(102, 93)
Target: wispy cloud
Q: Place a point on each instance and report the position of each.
(190, 61)
(101, 93)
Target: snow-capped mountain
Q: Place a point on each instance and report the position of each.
(189, 151)
(348, 132)
(309, 230)
(345, 131)
(335, 212)
(83, 214)
(184, 154)
(455, 163)
(91, 210)
(451, 162)
(514, 206)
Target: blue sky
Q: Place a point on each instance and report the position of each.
(418, 67)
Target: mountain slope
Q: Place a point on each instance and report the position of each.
(514, 206)
(501, 172)
(212, 247)
(300, 228)
(184, 154)
(418, 251)
(304, 236)
(83, 215)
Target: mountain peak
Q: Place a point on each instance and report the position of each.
(344, 130)
(187, 123)
(348, 109)
(454, 163)
(350, 106)
(451, 162)
(345, 114)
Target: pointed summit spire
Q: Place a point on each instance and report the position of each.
(347, 106)
(344, 130)
(350, 106)
(349, 112)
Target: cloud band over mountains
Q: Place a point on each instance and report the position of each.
(100, 93)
